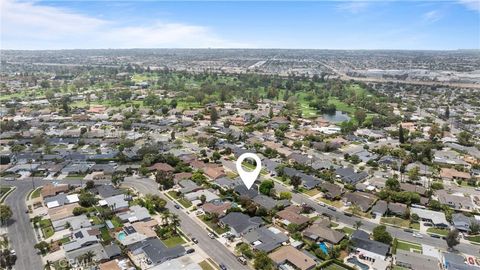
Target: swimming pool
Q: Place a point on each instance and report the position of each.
(121, 236)
(323, 247)
(355, 261)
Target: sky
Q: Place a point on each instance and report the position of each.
(389, 24)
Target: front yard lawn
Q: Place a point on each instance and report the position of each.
(475, 238)
(213, 226)
(312, 192)
(184, 202)
(36, 193)
(205, 265)
(442, 232)
(395, 221)
(403, 245)
(173, 241)
(346, 230)
(47, 232)
(336, 204)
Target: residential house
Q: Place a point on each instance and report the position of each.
(320, 231)
(269, 203)
(239, 223)
(456, 202)
(462, 222)
(288, 257)
(368, 249)
(265, 239)
(154, 251)
(292, 215)
(117, 203)
(414, 260)
(50, 190)
(135, 213)
(452, 174)
(218, 207)
(349, 176)
(361, 199)
(437, 219)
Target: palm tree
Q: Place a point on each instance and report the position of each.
(88, 257)
(175, 221)
(166, 218)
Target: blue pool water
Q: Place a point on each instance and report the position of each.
(323, 247)
(355, 261)
(121, 236)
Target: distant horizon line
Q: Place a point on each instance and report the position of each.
(193, 48)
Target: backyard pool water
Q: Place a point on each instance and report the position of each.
(323, 247)
(355, 261)
(121, 236)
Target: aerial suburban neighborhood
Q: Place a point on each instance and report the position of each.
(116, 163)
(240, 135)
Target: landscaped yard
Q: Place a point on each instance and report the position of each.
(205, 265)
(443, 232)
(96, 220)
(47, 228)
(184, 202)
(408, 246)
(36, 193)
(215, 227)
(117, 222)
(105, 235)
(336, 204)
(312, 192)
(173, 241)
(475, 239)
(346, 230)
(395, 221)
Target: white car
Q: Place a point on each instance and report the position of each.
(211, 235)
(417, 235)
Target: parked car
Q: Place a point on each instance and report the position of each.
(177, 206)
(322, 204)
(189, 251)
(222, 266)
(417, 235)
(194, 240)
(211, 235)
(435, 236)
(242, 260)
(408, 230)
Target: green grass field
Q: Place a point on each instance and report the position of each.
(408, 246)
(173, 241)
(205, 265)
(36, 193)
(215, 227)
(442, 232)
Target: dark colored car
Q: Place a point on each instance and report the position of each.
(195, 240)
(222, 266)
(190, 251)
(177, 206)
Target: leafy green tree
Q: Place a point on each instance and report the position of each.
(360, 115)
(285, 195)
(213, 115)
(43, 247)
(392, 184)
(5, 213)
(401, 135)
(452, 238)
(295, 181)
(87, 199)
(465, 138)
(266, 186)
(380, 234)
(263, 262)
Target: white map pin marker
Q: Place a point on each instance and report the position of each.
(248, 178)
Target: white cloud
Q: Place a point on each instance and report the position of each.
(471, 4)
(432, 16)
(27, 25)
(353, 6)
